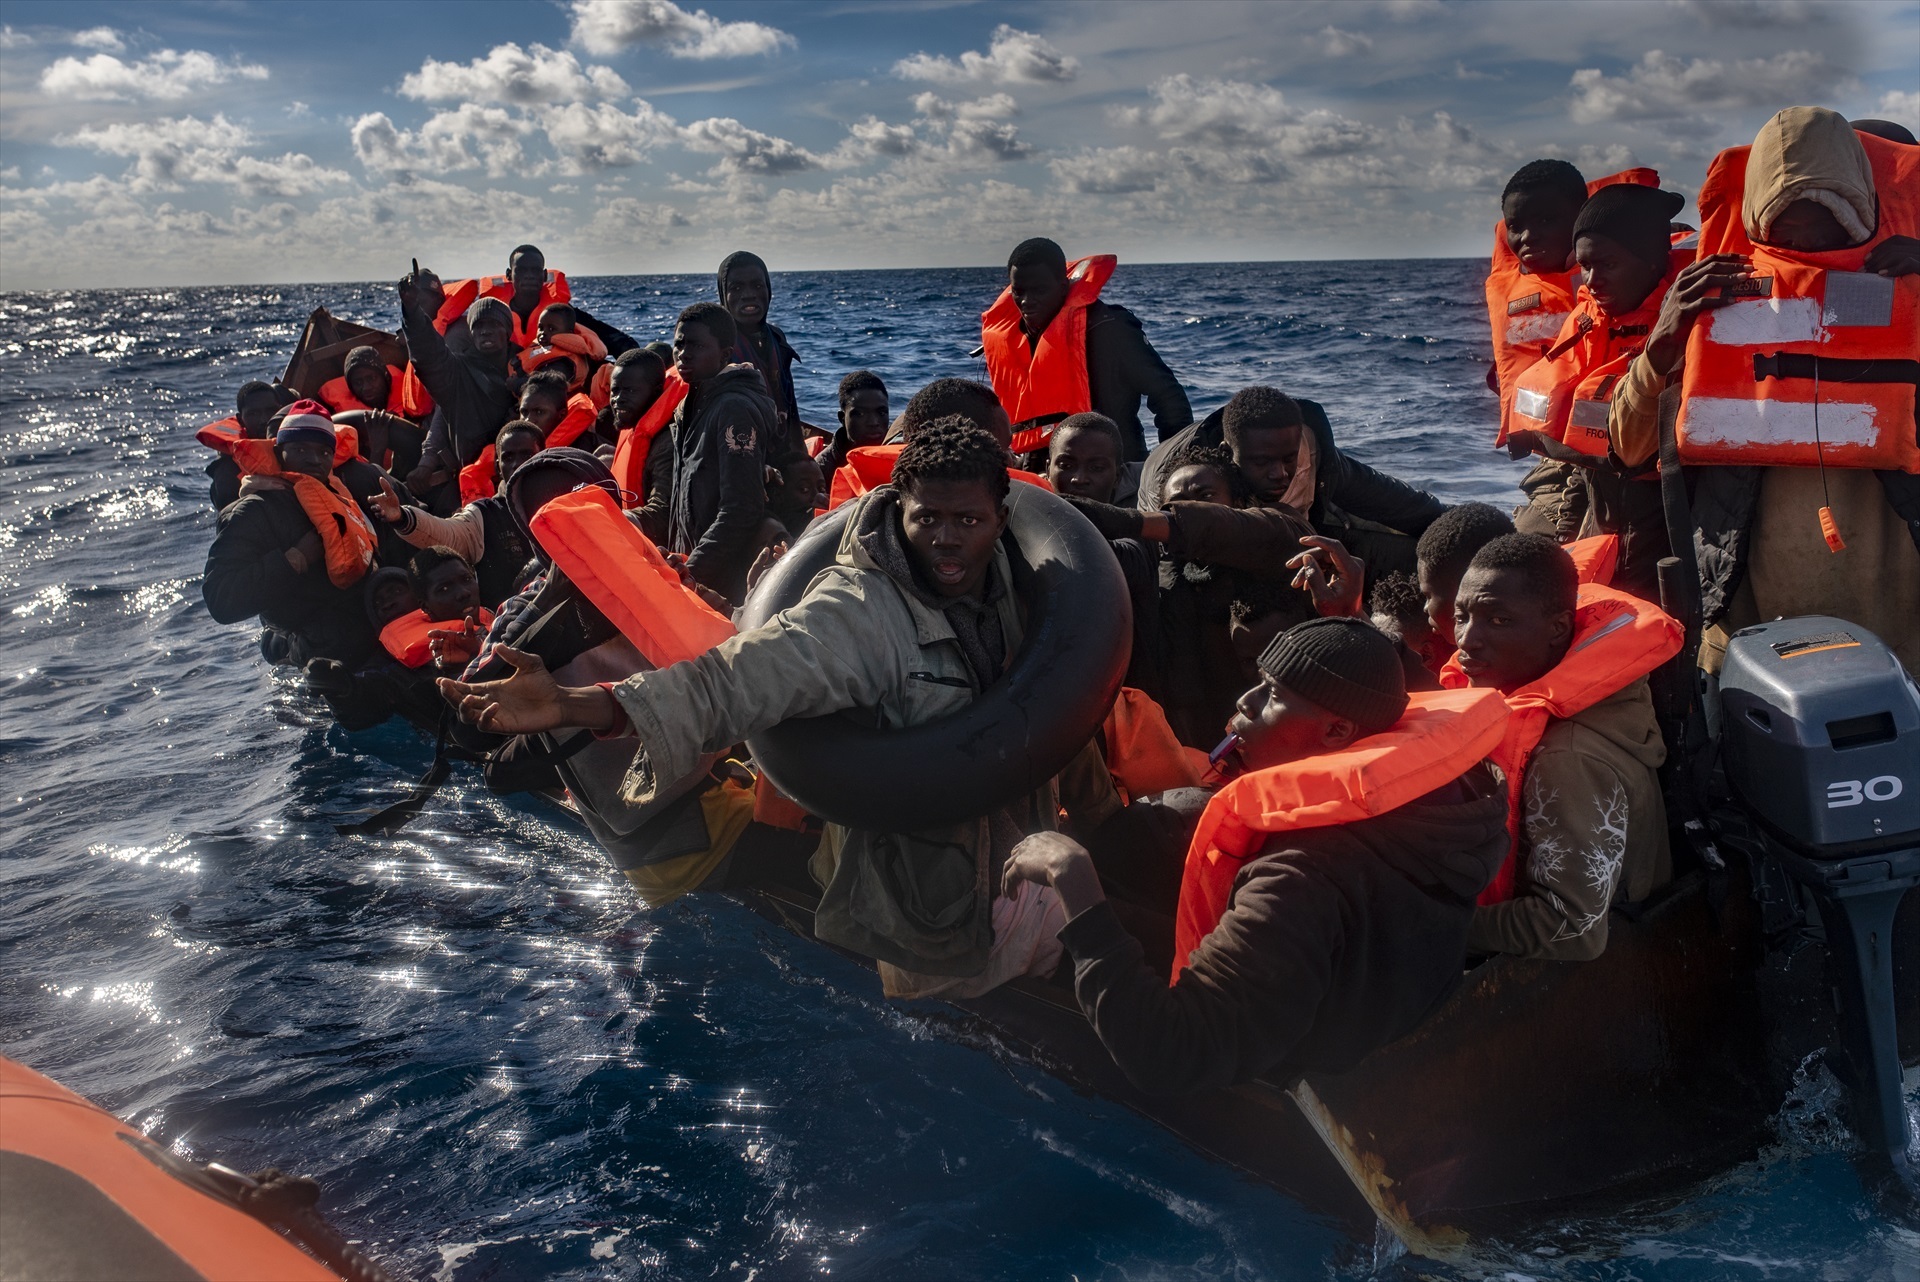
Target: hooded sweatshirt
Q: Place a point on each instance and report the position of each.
(1335, 941)
(721, 436)
(470, 396)
(1595, 831)
(1761, 550)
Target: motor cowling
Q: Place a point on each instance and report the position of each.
(1821, 735)
(1820, 739)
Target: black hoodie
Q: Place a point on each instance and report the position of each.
(721, 436)
(1335, 941)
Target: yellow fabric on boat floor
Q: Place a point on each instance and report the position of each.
(727, 810)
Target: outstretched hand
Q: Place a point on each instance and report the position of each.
(764, 562)
(386, 504)
(529, 701)
(1701, 286)
(1333, 576)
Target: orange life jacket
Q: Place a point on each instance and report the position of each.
(1617, 639)
(1143, 754)
(344, 530)
(630, 452)
(209, 1236)
(581, 412)
(1566, 393)
(1442, 735)
(582, 350)
(1527, 311)
(220, 436)
(817, 445)
(1767, 379)
(416, 402)
(1036, 380)
(466, 293)
(477, 480)
(626, 578)
(409, 637)
(339, 398)
(1595, 558)
(777, 810)
(868, 467)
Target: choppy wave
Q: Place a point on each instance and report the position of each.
(497, 1067)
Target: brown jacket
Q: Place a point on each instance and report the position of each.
(1595, 831)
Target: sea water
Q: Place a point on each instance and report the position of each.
(496, 1063)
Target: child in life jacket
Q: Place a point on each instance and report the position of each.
(1817, 194)
(482, 532)
(1296, 950)
(442, 593)
(1589, 824)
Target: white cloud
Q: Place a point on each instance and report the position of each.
(510, 74)
(1664, 87)
(1109, 170)
(1014, 56)
(603, 136)
(870, 136)
(746, 151)
(606, 27)
(1343, 44)
(169, 153)
(98, 38)
(1235, 112)
(11, 39)
(468, 137)
(166, 75)
(1901, 105)
(624, 220)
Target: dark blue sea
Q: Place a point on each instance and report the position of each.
(495, 1062)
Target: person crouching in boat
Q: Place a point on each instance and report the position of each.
(1300, 944)
(917, 617)
(293, 550)
(483, 532)
(400, 678)
(1582, 753)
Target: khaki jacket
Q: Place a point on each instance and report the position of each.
(855, 643)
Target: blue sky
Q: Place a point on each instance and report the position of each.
(245, 142)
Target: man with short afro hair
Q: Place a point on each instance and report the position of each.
(943, 397)
(1589, 821)
(1122, 367)
(1443, 553)
(914, 619)
(1283, 446)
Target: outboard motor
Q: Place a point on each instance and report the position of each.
(1820, 737)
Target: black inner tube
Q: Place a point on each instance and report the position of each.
(1020, 732)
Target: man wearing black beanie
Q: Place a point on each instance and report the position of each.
(1335, 940)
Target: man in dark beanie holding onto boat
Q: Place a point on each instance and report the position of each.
(471, 398)
(1322, 912)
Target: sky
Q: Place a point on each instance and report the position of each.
(239, 142)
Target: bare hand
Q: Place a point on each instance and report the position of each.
(1334, 576)
(1701, 286)
(764, 562)
(386, 504)
(457, 644)
(425, 477)
(421, 288)
(527, 702)
(1057, 860)
(1895, 256)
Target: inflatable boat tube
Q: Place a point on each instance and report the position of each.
(1018, 734)
(89, 1197)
